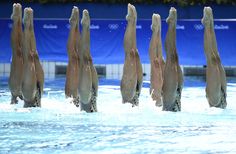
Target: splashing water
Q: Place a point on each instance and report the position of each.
(60, 127)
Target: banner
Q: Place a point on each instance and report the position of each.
(107, 40)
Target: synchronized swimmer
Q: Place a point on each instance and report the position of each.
(26, 79)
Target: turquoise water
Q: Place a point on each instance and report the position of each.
(60, 127)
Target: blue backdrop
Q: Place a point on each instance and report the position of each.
(107, 40)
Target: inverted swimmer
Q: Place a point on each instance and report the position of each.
(72, 70)
(173, 77)
(132, 78)
(16, 73)
(215, 73)
(156, 60)
(33, 76)
(88, 79)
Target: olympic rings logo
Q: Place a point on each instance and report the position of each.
(113, 26)
(198, 26)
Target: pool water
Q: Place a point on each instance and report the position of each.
(60, 127)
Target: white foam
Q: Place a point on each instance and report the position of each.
(109, 101)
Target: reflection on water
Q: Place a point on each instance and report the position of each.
(60, 127)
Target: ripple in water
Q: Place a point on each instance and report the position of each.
(60, 127)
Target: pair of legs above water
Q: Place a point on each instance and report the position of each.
(132, 78)
(173, 77)
(215, 73)
(26, 77)
(33, 74)
(81, 75)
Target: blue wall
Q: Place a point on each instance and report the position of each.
(107, 40)
(107, 34)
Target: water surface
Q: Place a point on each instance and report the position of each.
(60, 127)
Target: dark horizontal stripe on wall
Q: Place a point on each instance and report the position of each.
(118, 11)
